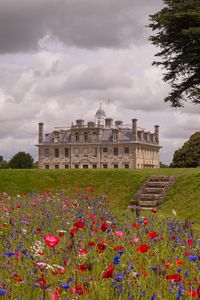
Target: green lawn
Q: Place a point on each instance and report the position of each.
(118, 185)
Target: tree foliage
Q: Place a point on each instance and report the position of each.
(188, 156)
(177, 34)
(21, 160)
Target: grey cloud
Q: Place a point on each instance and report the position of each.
(80, 23)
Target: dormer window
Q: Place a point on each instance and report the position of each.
(115, 136)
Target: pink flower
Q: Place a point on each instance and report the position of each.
(135, 240)
(119, 233)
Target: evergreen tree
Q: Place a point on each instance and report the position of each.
(188, 156)
(177, 34)
(21, 160)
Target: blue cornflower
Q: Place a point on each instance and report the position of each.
(116, 260)
(179, 270)
(120, 252)
(193, 258)
(153, 297)
(9, 253)
(180, 292)
(65, 285)
(3, 292)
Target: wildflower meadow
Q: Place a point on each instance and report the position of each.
(60, 246)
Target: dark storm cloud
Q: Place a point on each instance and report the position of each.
(80, 23)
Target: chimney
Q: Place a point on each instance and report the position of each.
(91, 124)
(134, 129)
(108, 122)
(80, 123)
(157, 133)
(41, 133)
(118, 124)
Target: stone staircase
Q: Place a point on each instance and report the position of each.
(151, 194)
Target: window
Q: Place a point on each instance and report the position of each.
(56, 152)
(94, 166)
(85, 152)
(105, 150)
(115, 166)
(76, 166)
(95, 152)
(46, 152)
(76, 152)
(66, 166)
(105, 166)
(46, 166)
(126, 150)
(116, 151)
(66, 152)
(86, 136)
(56, 166)
(126, 166)
(76, 137)
(85, 166)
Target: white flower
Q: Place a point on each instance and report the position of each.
(174, 212)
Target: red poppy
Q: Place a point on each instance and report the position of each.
(101, 247)
(118, 248)
(4, 225)
(135, 225)
(17, 278)
(61, 234)
(104, 226)
(82, 267)
(191, 293)
(55, 295)
(79, 224)
(198, 291)
(42, 281)
(178, 262)
(81, 290)
(83, 251)
(92, 216)
(86, 198)
(142, 248)
(145, 221)
(189, 242)
(152, 235)
(91, 244)
(107, 274)
(154, 210)
(38, 230)
(51, 240)
(73, 230)
(174, 277)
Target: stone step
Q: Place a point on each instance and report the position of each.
(153, 190)
(150, 197)
(148, 203)
(159, 179)
(156, 184)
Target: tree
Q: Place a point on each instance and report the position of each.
(4, 164)
(1, 158)
(21, 160)
(177, 28)
(188, 156)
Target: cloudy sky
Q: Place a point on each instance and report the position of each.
(60, 58)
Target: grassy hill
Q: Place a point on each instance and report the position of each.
(118, 185)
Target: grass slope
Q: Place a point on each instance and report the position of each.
(118, 185)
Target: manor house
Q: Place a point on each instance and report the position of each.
(99, 144)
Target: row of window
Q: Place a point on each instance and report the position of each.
(85, 152)
(86, 136)
(85, 166)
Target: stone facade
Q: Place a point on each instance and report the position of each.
(99, 144)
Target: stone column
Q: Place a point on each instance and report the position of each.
(157, 134)
(134, 129)
(41, 133)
